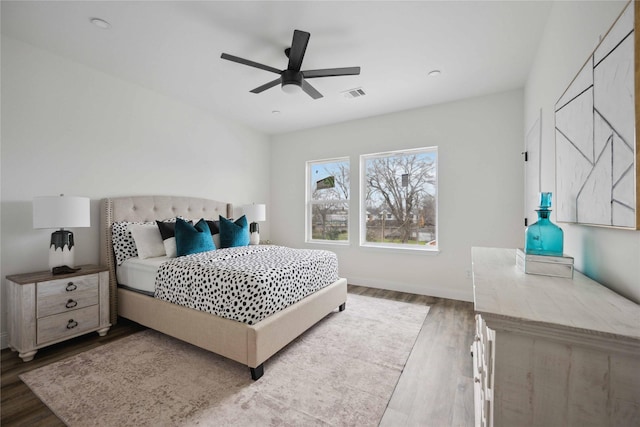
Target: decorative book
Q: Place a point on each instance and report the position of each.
(544, 265)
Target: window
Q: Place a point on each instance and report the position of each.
(328, 200)
(399, 206)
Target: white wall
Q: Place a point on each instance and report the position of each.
(70, 129)
(609, 256)
(480, 188)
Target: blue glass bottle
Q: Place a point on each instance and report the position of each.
(544, 237)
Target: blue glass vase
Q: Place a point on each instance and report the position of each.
(544, 237)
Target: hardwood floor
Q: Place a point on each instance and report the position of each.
(435, 388)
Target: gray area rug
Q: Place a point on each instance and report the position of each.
(340, 372)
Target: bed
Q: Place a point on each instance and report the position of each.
(249, 344)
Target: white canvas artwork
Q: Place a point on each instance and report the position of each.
(595, 135)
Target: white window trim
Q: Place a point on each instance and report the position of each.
(309, 203)
(362, 227)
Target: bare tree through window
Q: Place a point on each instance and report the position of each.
(328, 204)
(400, 198)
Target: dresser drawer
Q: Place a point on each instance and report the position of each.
(60, 296)
(67, 324)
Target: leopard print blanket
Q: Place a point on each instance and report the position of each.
(248, 283)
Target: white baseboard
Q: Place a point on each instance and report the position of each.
(4, 340)
(413, 288)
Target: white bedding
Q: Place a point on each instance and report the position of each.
(140, 274)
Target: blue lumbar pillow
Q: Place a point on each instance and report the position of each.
(193, 239)
(234, 233)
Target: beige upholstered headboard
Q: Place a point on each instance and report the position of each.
(148, 208)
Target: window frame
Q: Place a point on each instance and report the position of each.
(309, 202)
(362, 217)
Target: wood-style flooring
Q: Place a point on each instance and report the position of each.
(435, 388)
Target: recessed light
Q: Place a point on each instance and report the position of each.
(100, 23)
(275, 111)
(434, 73)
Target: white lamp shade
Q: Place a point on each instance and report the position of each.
(255, 213)
(61, 212)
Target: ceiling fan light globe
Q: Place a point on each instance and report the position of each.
(291, 88)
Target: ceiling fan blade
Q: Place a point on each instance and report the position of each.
(310, 90)
(249, 63)
(267, 85)
(331, 72)
(298, 48)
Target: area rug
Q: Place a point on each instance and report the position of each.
(340, 372)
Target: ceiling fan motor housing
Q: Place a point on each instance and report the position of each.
(291, 77)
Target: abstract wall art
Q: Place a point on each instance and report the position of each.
(597, 179)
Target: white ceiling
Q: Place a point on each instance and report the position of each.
(174, 47)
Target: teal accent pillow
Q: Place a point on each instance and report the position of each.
(234, 233)
(193, 239)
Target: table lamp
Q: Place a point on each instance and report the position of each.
(61, 212)
(255, 213)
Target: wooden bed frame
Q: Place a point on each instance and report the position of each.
(250, 345)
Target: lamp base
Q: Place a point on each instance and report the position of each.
(254, 234)
(61, 249)
(254, 238)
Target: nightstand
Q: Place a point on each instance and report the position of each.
(44, 309)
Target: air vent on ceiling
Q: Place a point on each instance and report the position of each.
(354, 93)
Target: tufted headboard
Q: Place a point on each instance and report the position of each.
(148, 208)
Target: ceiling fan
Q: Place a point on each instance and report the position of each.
(292, 79)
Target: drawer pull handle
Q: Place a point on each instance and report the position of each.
(72, 324)
(71, 287)
(71, 303)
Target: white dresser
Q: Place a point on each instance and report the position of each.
(552, 351)
(44, 309)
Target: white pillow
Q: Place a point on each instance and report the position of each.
(170, 247)
(148, 240)
(124, 246)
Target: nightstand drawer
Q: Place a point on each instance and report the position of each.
(63, 295)
(56, 304)
(69, 286)
(67, 324)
